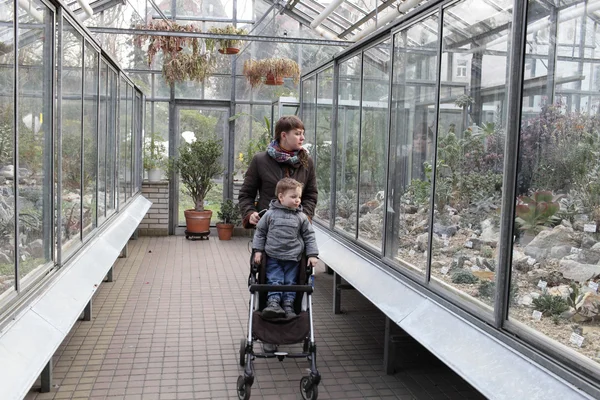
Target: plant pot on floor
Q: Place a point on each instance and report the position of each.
(225, 231)
(197, 221)
(154, 175)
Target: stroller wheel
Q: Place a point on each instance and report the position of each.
(310, 394)
(242, 352)
(243, 389)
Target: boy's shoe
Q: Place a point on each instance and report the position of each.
(273, 310)
(288, 307)
(269, 347)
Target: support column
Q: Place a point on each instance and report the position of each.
(46, 378)
(388, 348)
(337, 280)
(109, 275)
(124, 252)
(87, 312)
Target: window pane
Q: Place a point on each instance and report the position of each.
(373, 143)
(35, 142)
(111, 143)
(412, 125)
(309, 112)
(470, 146)
(555, 261)
(72, 90)
(7, 133)
(90, 141)
(122, 142)
(102, 141)
(129, 142)
(346, 164)
(323, 142)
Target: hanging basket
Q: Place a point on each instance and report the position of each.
(274, 80)
(229, 50)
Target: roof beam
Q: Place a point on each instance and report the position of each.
(366, 18)
(325, 13)
(205, 35)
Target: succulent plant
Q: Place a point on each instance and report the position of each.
(536, 211)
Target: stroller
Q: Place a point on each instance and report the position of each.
(293, 330)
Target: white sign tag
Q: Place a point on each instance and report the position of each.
(576, 339)
(530, 260)
(542, 284)
(444, 236)
(575, 250)
(593, 286)
(537, 315)
(589, 228)
(469, 244)
(445, 270)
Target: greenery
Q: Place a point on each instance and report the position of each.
(198, 163)
(256, 70)
(155, 152)
(464, 276)
(229, 213)
(537, 211)
(259, 143)
(225, 43)
(550, 305)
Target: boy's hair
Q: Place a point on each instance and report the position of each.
(287, 184)
(286, 124)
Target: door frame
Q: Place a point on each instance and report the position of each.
(174, 109)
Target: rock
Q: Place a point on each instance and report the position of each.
(4, 259)
(589, 305)
(563, 291)
(423, 242)
(587, 242)
(519, 261)
(535, 275)
(560, 251)
(455, 219)
(489, 231)
(525, 300)
(534, 295)
(36, 248)
(444, 230)
(595, 247)
(578, 272)
(8, 172)
(477, 243)
(484, 275)
(566, 223)
(437, 264)
(541, 246)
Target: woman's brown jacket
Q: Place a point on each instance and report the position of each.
(262, 177)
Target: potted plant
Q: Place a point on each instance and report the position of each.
(199, 162)
(272, 69)
(154, 156)
(169, 45)
(226, 46)
(229, 215)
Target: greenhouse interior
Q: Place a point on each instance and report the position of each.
(456, 152)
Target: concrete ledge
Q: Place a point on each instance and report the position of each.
(28, 343)
(493, 368)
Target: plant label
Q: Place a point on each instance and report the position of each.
(589, 228)
(576, 339)
(469, 244)
(537, 315)
(530, 260)
(575, 250)
(593, 286)
(542, 284)
(445, 270)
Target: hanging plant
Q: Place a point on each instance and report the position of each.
(186, 66)
(226, 46)
(169, 45)
(272, 69)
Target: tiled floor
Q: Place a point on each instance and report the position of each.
(169, 327)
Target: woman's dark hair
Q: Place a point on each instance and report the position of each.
(287, 123)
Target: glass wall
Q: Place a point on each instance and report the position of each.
(90, 139)
(443, 181)
(346, 156)
(323, 139)
(7, 134)
(413, 119)
(556, 255)
(71, 127)
(373, 143)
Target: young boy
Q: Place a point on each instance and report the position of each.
(283, 233)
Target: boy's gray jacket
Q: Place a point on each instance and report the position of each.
(284, 233)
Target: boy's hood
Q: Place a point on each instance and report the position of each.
(276, 204)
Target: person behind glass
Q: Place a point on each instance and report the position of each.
(284, 157)
(283, 234)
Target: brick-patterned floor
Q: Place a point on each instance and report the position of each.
(169, 327)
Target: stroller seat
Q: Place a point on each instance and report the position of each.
(282, 330)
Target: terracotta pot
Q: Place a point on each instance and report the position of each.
(225, 231)
(197, 221)
(229, 50)
(273, 80)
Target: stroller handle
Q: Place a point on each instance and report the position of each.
(281, 288)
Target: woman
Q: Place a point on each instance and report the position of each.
(285, 158)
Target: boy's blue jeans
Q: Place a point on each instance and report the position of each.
(282, 272)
